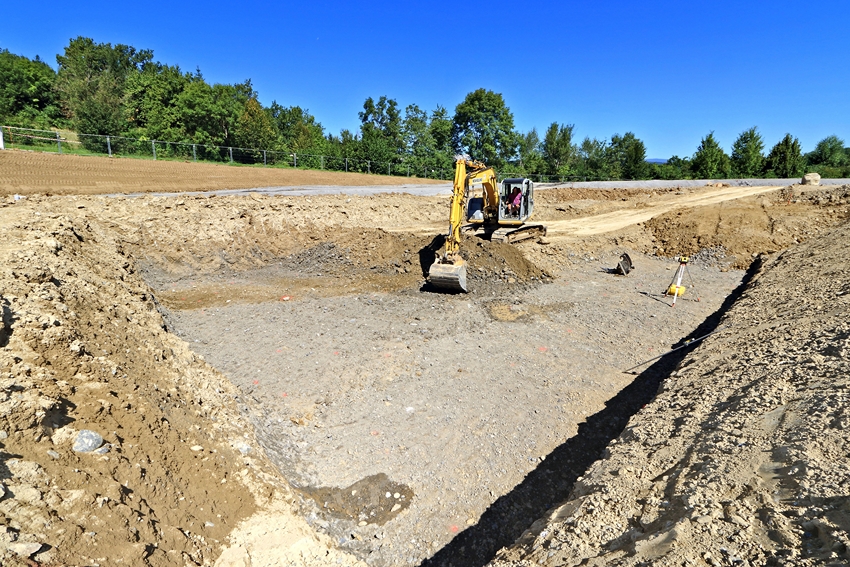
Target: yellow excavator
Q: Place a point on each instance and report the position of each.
(493, 210)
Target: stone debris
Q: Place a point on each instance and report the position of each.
(87, 441)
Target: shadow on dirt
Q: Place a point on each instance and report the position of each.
(427, 254)
(551, 483)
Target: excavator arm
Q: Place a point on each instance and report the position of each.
(449, 269)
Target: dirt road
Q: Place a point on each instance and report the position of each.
(617, 220)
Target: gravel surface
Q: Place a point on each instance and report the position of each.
(457, 398)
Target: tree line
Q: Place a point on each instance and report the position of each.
(122, 91)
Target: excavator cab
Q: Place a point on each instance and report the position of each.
(492, 210)
(507, 213)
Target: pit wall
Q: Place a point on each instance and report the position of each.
(742, 456)
(179, 478)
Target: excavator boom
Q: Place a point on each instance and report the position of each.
(449, 270)
(497, 211)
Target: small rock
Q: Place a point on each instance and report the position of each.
(23, 549)
(362, 523)
(52, 454)
(197, 448)
(395, 508)
(3, 434)
(103, 450)
(87, 441)
(2, 490)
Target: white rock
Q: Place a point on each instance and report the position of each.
(87, 441)
(810, 179)
(23, 549)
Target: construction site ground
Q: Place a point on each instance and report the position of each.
(276, 384)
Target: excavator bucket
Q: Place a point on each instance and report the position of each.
(449, 276)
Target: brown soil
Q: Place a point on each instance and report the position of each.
(26, 173)
(480, 411)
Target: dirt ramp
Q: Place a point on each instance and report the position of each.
(751, 226)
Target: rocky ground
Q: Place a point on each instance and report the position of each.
(741, 458)
(274, 384)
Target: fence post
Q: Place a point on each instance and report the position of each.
(322, 159)
(194, 153)
(389, 169)
(230, 149)
(408, 170)
(58, 142)
(153, 149)
(264, 158)
(368, 166)
(294, 159)
(108, 147)
(346, 165)
(2, 143)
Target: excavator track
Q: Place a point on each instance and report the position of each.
(507, 235)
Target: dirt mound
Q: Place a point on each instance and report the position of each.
(752, 226)
(741, 458)
(84, 348)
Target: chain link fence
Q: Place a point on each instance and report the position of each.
(64, 142)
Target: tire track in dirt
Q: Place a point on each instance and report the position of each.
(616, 220)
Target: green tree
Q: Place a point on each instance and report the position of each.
(675, 168)
(27, 97)
(559, 151)
(255, 128)
(829, 152)
(483, 128)
(747, 154)
(381, 141)
(440, 127)
(710, 161)
(530, 152)
(299, 130)
(209, 114)
(785, 159)
(629, 153)
(427, 149)
(91, 82)
(150, 102)
(595, 160)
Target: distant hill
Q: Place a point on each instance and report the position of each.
(657, 160)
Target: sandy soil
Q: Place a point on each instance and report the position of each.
(26, 173)
(287, 346)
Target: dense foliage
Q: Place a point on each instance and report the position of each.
(118, 90)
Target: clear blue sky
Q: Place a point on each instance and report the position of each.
(669, 71)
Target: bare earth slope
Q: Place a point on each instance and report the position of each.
(326, 296)
(27, 173)
(742, 457)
